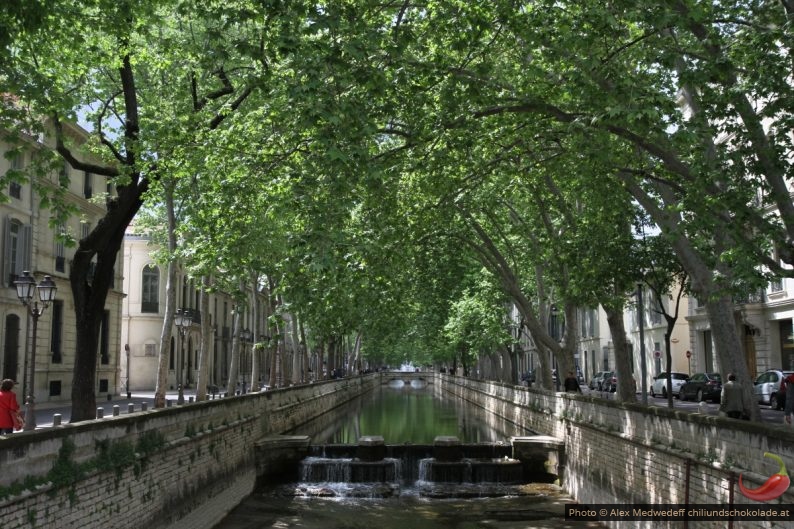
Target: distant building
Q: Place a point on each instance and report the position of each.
(143, 314)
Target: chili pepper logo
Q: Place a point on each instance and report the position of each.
(773, 488)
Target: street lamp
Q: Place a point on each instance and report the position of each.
(183, 319)
(25, 286)
(245, 337)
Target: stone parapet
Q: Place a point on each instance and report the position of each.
(153, 469)
(624, 453)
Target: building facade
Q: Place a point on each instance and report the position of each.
(29, 243)
(143, 314)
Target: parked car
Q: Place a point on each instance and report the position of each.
(611, 382)
(597, 380)
(528, 377)
(702, 386)
(768, 388)
(606, 380)
(659, 385)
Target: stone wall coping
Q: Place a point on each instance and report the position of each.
(283, 441)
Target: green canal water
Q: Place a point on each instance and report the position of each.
(405, 415)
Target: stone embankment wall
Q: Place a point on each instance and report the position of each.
(176, 467)
(621, 453)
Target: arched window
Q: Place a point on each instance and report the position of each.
(150, 286)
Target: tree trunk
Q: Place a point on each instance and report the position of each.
(355, 366)
(255, 348)
(730, 351)
(234, 364)
(626, 387)
(297, 357)
(206, 340)
(304, 352)
(170, 302)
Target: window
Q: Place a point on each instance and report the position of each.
(16, 249)
(150, 289)
(103, 385)
(776, 285)
(150, 349)
(654, 308)
(87, 187)
(15, 188)
(104, 339)
(60, 252)
(56, 338)
(55, 388)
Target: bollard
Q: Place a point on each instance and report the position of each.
(130, 408)
(56, 419)
(116, 410)
(100, 413)
(144, 406)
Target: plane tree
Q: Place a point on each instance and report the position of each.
(149, 77)
(617, 71)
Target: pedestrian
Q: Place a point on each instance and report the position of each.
(788, 411)
(732, 401)
(9, 408)
(572, 384)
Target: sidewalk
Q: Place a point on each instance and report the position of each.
(46, 411)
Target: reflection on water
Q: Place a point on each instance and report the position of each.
(407, 414)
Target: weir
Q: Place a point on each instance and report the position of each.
(407, 464)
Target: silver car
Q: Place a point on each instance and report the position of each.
(598, 380)
(659, 386)
(767, 388)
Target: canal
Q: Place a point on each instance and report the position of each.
(409, 414)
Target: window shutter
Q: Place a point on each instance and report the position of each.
(25, 248)
(6, 265)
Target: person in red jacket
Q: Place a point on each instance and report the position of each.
(8, 406)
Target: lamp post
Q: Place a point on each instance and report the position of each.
(46, 291)
(183, 319)
(245, 337)
(643, 364)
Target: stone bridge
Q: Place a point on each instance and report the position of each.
(407, 377)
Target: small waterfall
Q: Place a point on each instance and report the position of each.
(506, 471)
(435, 471)
(445, 469)
(324, 470)
(350, 470)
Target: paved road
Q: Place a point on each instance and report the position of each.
(768, 415)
